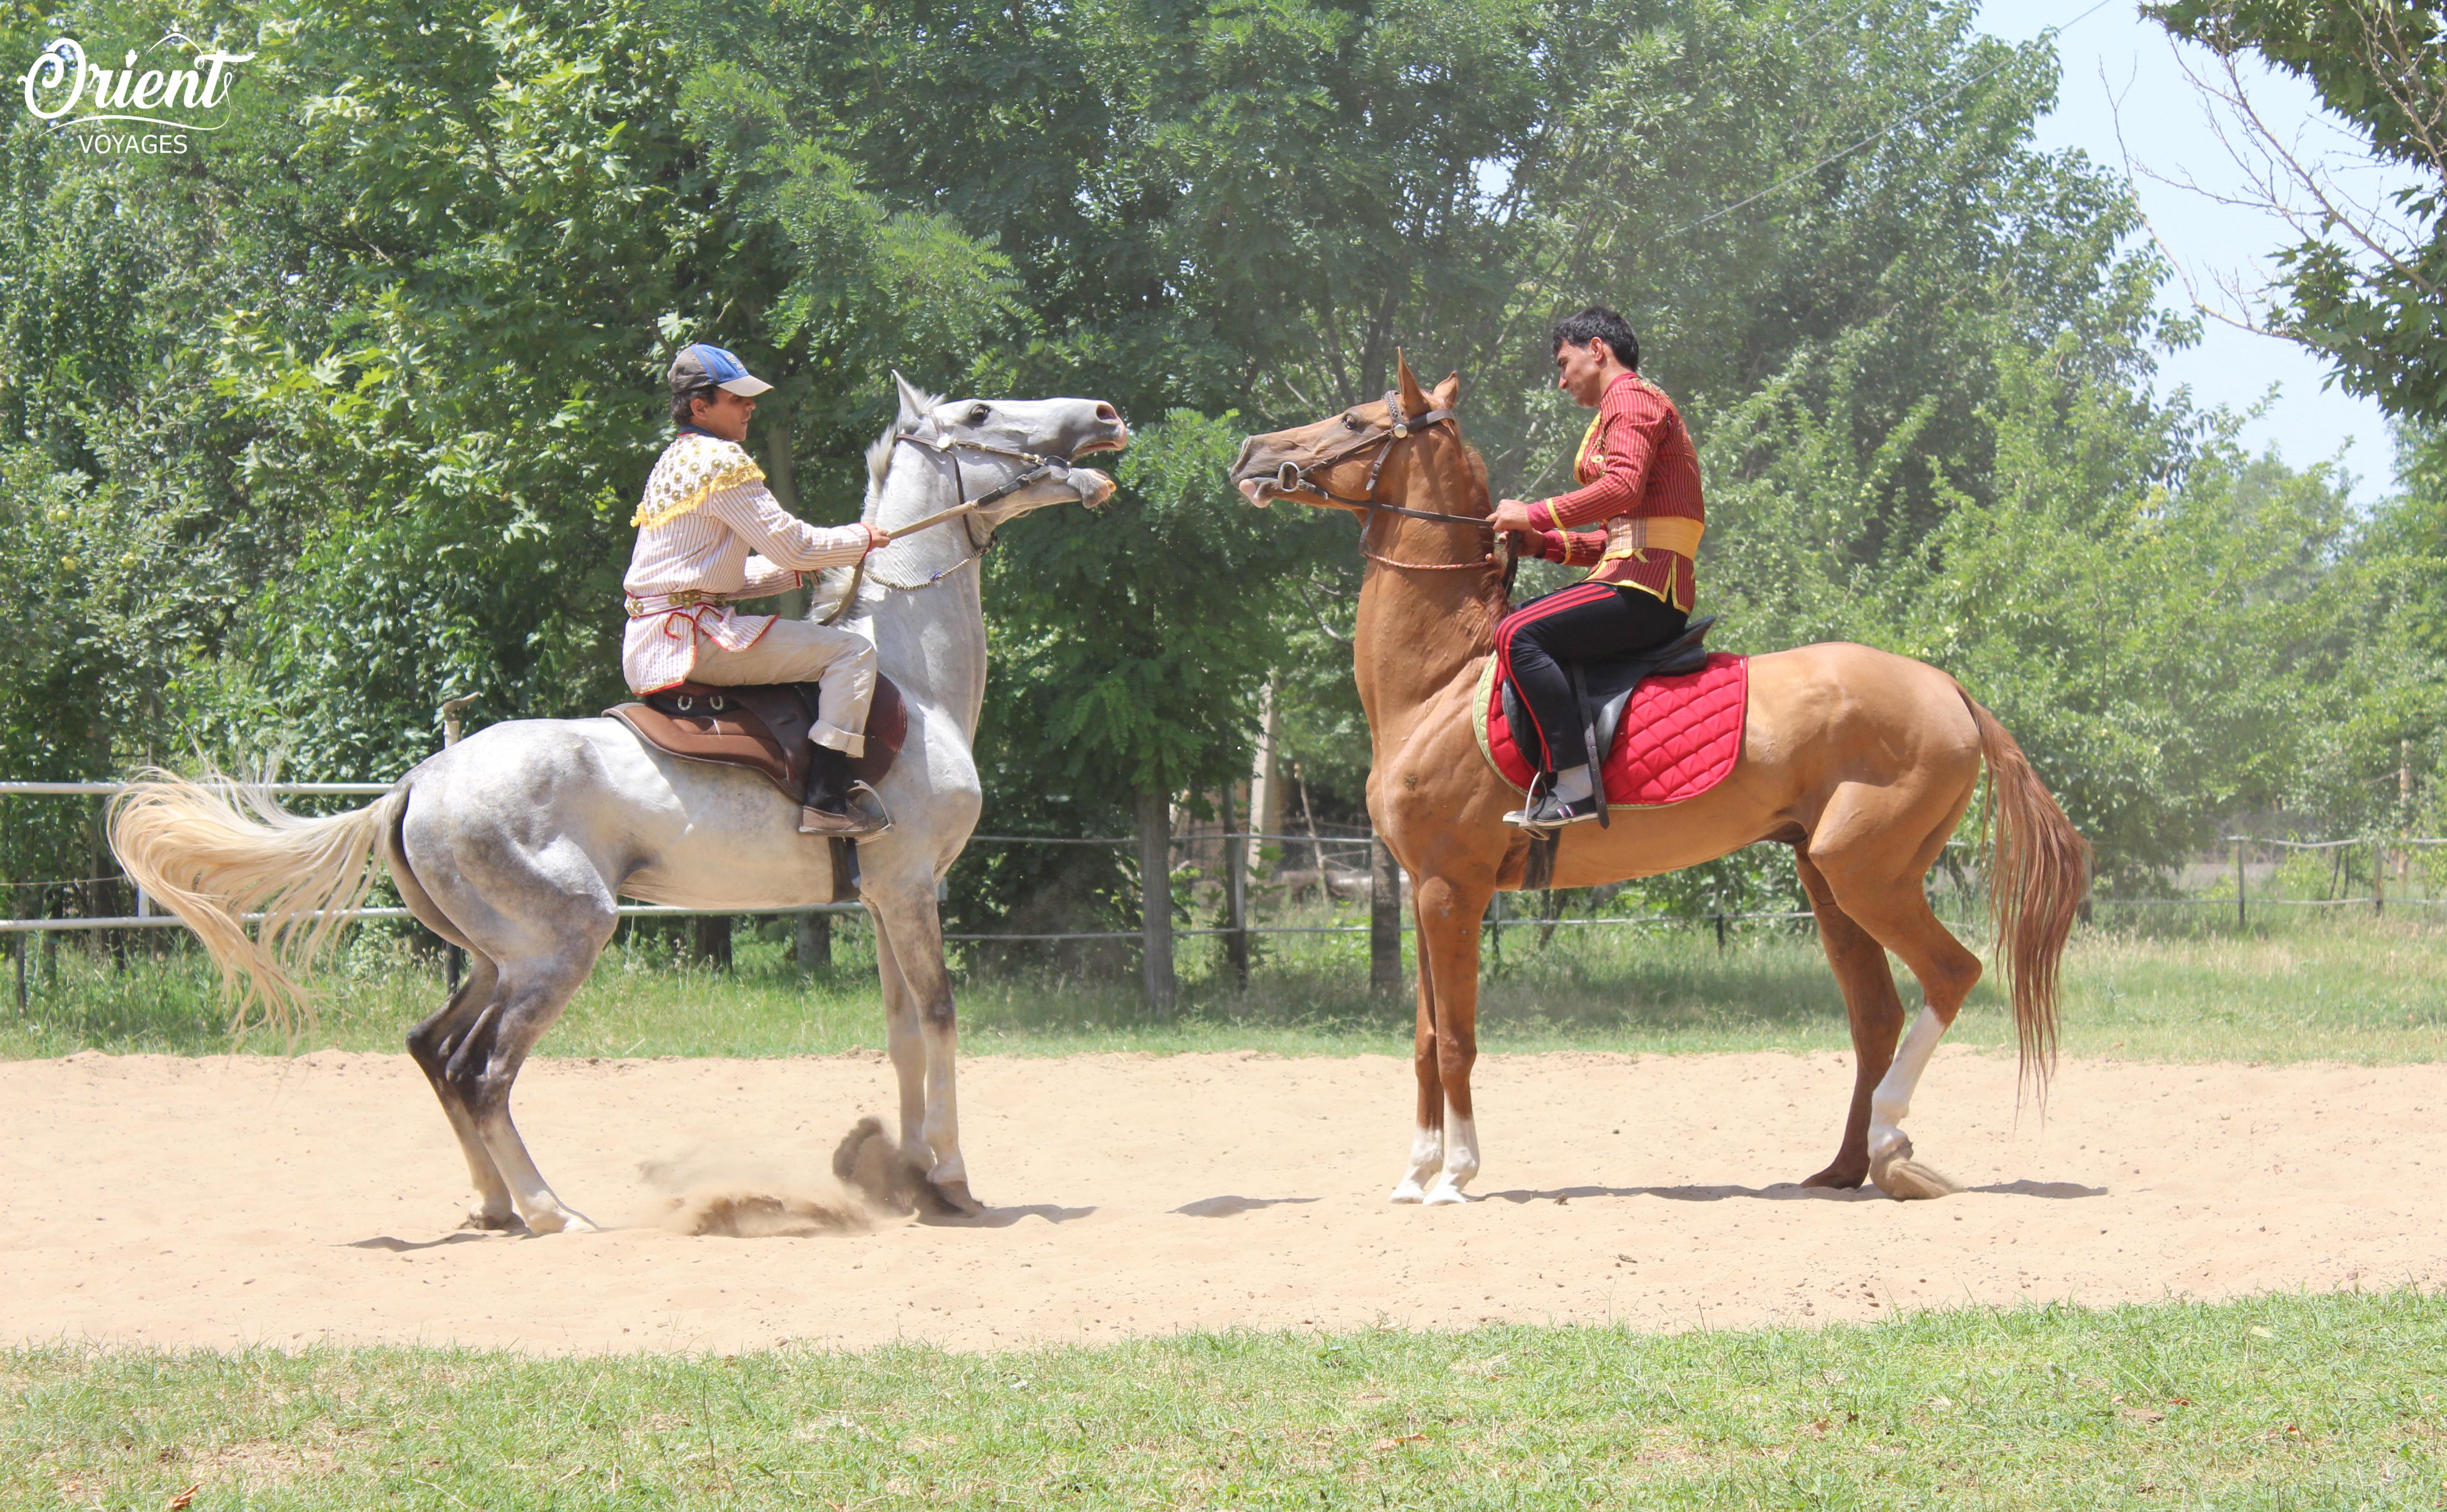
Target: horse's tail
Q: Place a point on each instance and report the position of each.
(217, 851)
(2039, 873)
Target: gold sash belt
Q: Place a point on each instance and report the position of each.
(1627, 537)
(665, 603)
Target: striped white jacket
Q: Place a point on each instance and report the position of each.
(709, 531)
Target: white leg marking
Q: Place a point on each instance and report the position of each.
(1461, 1159)
(1892, 1099)
(1426, 1158)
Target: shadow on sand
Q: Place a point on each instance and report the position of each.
(1226, 1206)
(1788, 1192)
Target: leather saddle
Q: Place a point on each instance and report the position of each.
(762, 727)
(1605, 687)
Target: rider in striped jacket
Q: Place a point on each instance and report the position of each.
(710, 532)
(1639, 490)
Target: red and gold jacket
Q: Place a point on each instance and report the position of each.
(1641, 485)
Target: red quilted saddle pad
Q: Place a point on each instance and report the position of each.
(1679, 738)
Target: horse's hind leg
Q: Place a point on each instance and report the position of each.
(1874, 1010)
(1882, 894)
(482, 1063)
(492, 1208)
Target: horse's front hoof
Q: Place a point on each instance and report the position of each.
(952, 1197)
(482, 1222)
(1444, 1194)
(561, 1220)
(1843, 1175)
(1410, 1191)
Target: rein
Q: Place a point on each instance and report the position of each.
(1291, 477)
(943, 445)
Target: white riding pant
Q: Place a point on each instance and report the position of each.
(840, 662)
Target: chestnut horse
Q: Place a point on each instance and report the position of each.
(1864, 762)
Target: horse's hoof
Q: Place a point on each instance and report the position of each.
(953, 1198)
(1445, 1195)
(483, 1222)
(561, 1220)
(1410, 1191)
(1907, 1180)
(1843, 1175)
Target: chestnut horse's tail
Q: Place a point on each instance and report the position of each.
(2039, 873)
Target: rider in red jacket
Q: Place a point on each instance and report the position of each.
(1639, 490)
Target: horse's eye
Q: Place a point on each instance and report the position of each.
(1354, 422)
(977, 416)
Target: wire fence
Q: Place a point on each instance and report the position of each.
(48, 906)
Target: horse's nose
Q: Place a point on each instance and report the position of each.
(1241, 462)
(1108, 414)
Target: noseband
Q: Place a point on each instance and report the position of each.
(1291, 477)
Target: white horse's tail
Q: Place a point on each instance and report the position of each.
(217, 850)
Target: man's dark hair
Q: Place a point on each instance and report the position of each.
(1598, 323)
(684, 403)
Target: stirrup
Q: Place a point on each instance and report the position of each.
(862, 816)
(1546, 812)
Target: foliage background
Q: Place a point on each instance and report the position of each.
(342, 414)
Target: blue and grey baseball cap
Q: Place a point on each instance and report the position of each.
(700, 364)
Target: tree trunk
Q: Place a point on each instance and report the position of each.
(815, 942)
(1236, 900)
(1266, 790)
(1384, 920)
(1155, 898)
(713, 932)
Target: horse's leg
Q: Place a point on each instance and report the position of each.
(1875, 1012)
(1449, 916)
(1428, 1133)
(1883, 893)
(915, 936)
(902, 1036)
(483, 1064)
(493, 1208)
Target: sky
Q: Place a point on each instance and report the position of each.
(2122, 68)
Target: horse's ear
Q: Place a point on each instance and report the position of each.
(1414, 399)
(913, 400)
(1447, 393)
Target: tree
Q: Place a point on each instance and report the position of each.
(2367, 284)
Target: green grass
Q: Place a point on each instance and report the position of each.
(2283, 1402)
(2326, 987)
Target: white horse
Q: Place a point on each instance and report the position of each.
(516, 843)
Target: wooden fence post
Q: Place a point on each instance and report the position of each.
(1155, 899)
(813, 942)
(2242, 920)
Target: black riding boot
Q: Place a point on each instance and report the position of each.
(826, 809)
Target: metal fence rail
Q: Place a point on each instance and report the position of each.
(1236, 845)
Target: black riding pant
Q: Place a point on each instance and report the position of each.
(1584, 623)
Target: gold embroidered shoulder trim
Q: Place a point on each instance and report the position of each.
(692, 469)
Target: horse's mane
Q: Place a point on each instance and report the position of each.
(1477, 465)
(878, 457)
(879, 466)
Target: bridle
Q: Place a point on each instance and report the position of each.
(1291, 477)
(943, 443)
